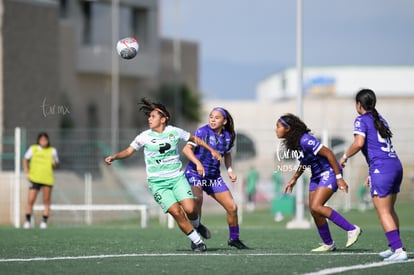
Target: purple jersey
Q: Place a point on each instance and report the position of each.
(318, 164)
(220, 142)
(378, 151)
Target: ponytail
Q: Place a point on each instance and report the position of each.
(382, 129)
(229, 126)
(367, 99)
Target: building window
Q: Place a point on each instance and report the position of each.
(63, 5)
(97, 23)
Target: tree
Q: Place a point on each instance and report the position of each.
(183, 103)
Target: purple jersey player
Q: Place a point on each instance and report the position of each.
(325, 180)
(373, 137)
(203, 171)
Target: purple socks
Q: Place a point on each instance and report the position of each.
(325, 234)
(234, 232)
(340, 221)
(394, 239)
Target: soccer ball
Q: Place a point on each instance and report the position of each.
(127, 47)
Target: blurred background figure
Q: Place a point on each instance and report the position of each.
(364, 197)
(251, 182)
(38, 164)
(277, 181)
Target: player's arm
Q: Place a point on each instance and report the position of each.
(188, 151)
(26, 167)
(121, 155)
(354, 148)
(198, 141)
(289, 186)
(327, 153)
(227, 162)
(25, 162)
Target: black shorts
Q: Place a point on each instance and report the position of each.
(38, 186)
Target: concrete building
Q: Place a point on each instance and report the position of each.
(59, 54)
(339, 81)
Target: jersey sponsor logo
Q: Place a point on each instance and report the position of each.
(357, 124)
(164, 147)
(311, 142)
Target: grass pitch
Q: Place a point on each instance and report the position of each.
(124, 248)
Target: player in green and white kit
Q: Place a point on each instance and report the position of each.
(165, 178)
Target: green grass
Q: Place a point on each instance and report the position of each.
(158, 250)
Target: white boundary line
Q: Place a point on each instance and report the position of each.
(354, 267)
(204, 254)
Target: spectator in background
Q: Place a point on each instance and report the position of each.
(251, 182)
(38, 164)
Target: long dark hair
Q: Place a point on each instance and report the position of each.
(147, 107)
(367, 99)
(297, 129)
(43, 134)
(229, 126)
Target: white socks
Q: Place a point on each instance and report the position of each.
(194, 237)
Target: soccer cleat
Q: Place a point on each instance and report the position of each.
(204, 232)
(398, 256)
(43, 225)
(27, 225)
(325, 248)
(353, 236)
(386, 253)
(237, 244)
(201, 247)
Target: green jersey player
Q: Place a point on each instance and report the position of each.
(165, 178)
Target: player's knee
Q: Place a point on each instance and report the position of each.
(176, 212)
(232, 209)
(316, 208)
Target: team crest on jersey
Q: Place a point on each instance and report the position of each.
(171, 137)
(212, 140)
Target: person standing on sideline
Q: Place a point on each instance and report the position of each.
(38, 163)
(251, 182)
(324, 182)
(165, 178)
(372, 136)
(203, 171)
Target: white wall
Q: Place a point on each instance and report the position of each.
(346, 81)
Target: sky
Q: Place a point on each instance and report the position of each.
(242, 42)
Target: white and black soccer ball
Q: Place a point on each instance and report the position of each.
(127, 47)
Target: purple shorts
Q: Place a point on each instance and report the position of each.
(209, 185)
(384, 184)
(324, 179)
